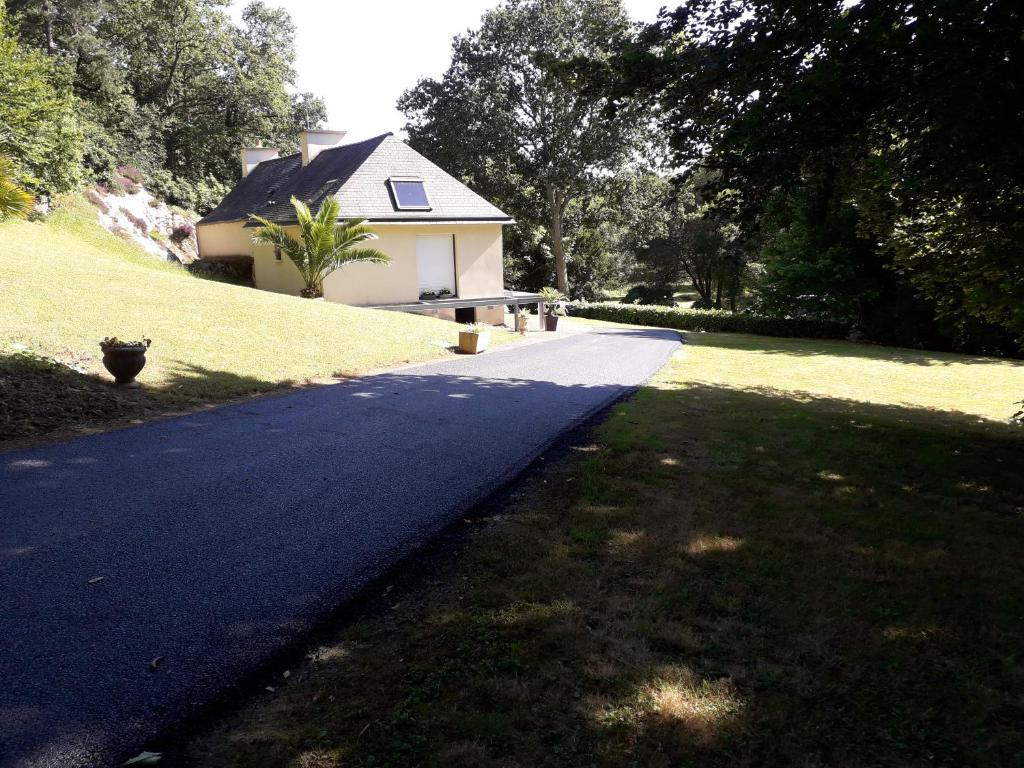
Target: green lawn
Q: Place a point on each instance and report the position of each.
(66, 283)
(781, 552)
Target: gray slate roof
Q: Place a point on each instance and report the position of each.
(357, 175)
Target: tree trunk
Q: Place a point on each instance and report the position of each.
(556, 205)
(48, 13)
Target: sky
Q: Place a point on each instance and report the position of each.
(360, 55)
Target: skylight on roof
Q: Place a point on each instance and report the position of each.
(409, 194)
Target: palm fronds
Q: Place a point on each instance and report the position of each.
(324, 244)
(15, 202)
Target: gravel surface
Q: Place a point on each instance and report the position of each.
(144, 571)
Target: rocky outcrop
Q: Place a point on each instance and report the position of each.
(165, 231)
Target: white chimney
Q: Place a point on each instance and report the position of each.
(253, 156)
(315, 142)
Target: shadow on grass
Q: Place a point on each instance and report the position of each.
(41, 398)
(722, 578)
(242, 528)
(836, 348)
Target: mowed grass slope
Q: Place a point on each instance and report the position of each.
(778, 553)
(66, 283)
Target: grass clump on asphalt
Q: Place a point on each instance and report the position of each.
(66, 283)
(778, 553)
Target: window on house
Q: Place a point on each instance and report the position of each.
(409, 193)
(277, 254)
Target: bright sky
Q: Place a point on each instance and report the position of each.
(361, 55)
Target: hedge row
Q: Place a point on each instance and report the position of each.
(716, 320)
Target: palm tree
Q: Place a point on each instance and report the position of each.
(15, 202)
(325, 244)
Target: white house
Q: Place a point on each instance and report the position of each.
(439, 234)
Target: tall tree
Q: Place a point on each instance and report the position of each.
(173, 84)
(38, 131)
(914, 107)
(696, 242)
(514, 106)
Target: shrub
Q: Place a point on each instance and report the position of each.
(127, 184)
(200, 196)
(648, 294)
(182, 232)
(157, 235)
(227, 269)
(131, 173)
(713, 320)
(139, 223)
(96, 199)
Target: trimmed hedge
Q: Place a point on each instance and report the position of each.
(714, 320)
(236, 270)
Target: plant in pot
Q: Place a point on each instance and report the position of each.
(474, 338)
(124, 359)
(554, 307)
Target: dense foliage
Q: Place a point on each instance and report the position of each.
(695, 243)
(711, 320)
(876, 146)
(174, 88)
(38, 130)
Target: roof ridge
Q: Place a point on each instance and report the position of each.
(379, 139)
(357, 177)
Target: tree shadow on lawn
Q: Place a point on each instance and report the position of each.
(722, 578)
(41, 398)
(837, 348)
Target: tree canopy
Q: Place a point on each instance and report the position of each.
(875, 138)
(171, 85)
(513, 116)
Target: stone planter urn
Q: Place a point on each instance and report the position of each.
(124, 360)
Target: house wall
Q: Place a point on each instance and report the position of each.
(478, 267)
(226, 238)
(478, 264)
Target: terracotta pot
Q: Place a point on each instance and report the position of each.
(550, 322)
(474, 343)
(124, 364)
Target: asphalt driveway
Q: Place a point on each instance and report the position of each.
(212, 540)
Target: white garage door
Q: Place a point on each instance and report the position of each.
(435, 262)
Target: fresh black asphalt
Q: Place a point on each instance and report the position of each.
(212, 540)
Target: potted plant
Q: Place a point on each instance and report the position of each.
(554, 307)
(474, 338)
(124, 359)
(428, 295)
(445, 293)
